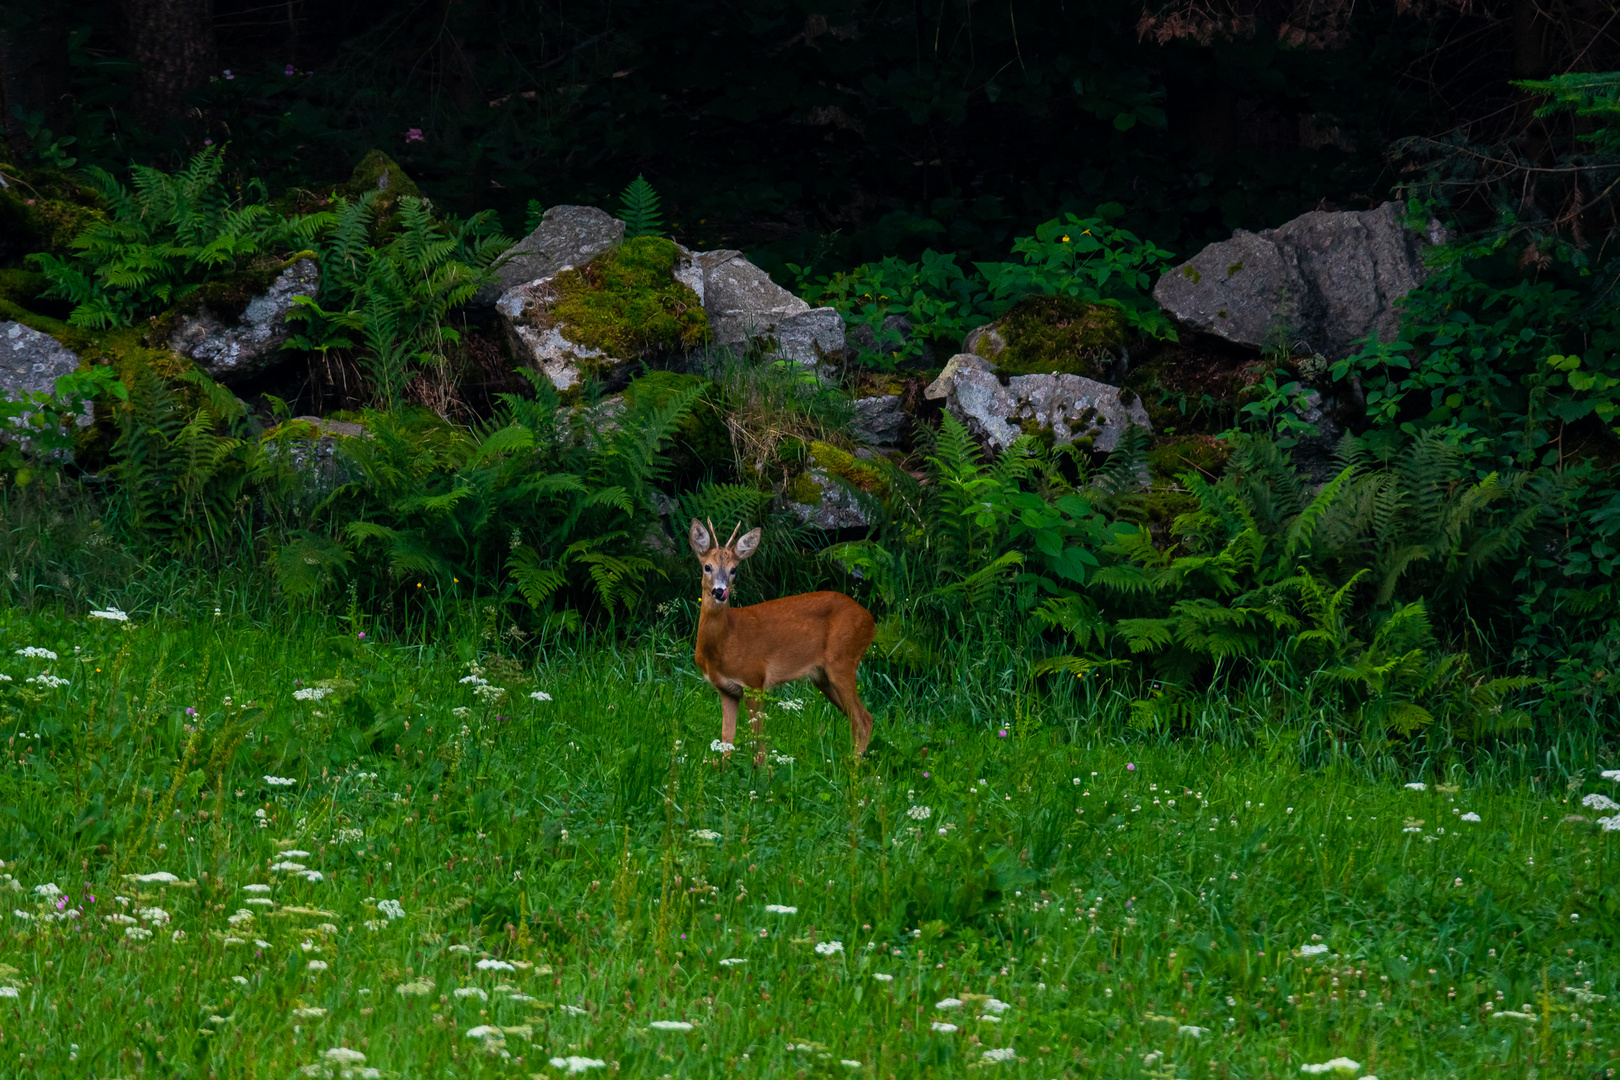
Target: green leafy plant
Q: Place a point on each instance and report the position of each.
(638, 206)
(160, 242)
(37, 430)
(934, 295)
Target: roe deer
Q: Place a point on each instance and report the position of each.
(820, 636)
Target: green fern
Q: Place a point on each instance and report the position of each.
(638, 208)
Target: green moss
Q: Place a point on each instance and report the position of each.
(804, 489)
(1056, 333)
(1042, 433)
(851, 468)
(628, 304)
(1203, 454)
(702, 440)
(44, 209)
(379, 172)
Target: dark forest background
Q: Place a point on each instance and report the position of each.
(831, 133)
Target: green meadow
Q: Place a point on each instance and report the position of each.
(241, 850)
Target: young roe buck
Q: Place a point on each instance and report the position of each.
(820, 636)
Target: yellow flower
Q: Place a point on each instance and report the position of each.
(1065, 239)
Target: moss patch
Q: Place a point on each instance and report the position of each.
(43, 210)
(843, 464)
(1056, 333)
(628, 304)
(379, 172)
(1203, 454)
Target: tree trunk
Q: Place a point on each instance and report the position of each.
(173, 42)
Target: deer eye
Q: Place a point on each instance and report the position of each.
(708, 568)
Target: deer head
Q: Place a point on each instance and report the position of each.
(719, 562)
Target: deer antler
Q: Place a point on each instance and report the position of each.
(734, 533)
(710, 522)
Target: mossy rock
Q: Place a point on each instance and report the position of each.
(627, 303)
(847, 466)
(702, 443)
(379, 172)
(43, 210)
(1045, 334)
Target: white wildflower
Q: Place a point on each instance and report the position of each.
(849, 1063)
(310, 1012)
(573, 1010)
(948, 1003)
(256, 887)
(495, 965)
(1312, 950)
(940, 1025)
(920, 813)
(342, 1055)
(8, 992)
(415, 988)
(1610, 824)
(1192, 1031)
(469, 992)
(475, 680)
(705, 834)
(316, 965)
(118, 919)
(1595, 801)
(33, 653)
(1470, 816)
(575, 1064)
(721, 747)
(110, 613)
(48, 891)
(1416, 785)
(154, 915)
(732, 961)
(23, 915)
(1006, 1053)
(539, 695)
(460, 948)
(311, 875)
(829, 948)
(280, 781)
(160, 877)
(670, 1025)
(391, 908)
(286, 864)
(781, 909)
(47, 679)
(137, 933)
(997, 1006)
(1338, 1064)
(882, 976)
(311, 693)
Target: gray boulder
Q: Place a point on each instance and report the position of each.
(1322, 280)
(538, 341)
(567, 236)
(743, 303)
(940, 388)
(240, 349)
(833, 507)
(878, 421)
(1070, 407)
(31, 362)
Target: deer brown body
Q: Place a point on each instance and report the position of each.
(820, 636)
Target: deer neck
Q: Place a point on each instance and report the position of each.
(714, 620)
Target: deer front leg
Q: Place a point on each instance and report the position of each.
(756, 720)
(728, 722)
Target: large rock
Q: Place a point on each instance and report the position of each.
(879, 420)
(744, 303)
(1322, 280)
(826, 504)
(31, 362)
(567, 236)
(940, 388)
(538, 340)
(1069, 407)
(232, 350)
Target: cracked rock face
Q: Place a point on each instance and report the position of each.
(526, 313)
(232, 351)
(31, 362)
(878, 421)
(743, 302)
(1322, 281)
(1070, 407)
(837, 507)
(567, 236)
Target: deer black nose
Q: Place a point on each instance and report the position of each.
(720, 593)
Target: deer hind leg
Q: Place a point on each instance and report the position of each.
(728, 722)
(838, 687)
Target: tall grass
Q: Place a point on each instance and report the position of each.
(1143, 905)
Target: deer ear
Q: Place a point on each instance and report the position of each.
(699, 538)
(747, 544)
